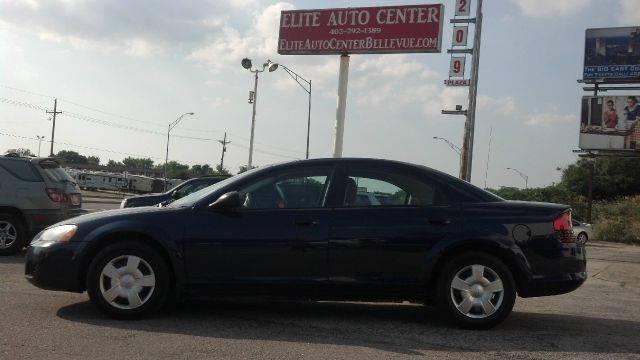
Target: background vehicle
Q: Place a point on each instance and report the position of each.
(34, 193)
(177, 192)
(295, 230)
(582, 231)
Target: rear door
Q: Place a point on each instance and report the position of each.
(379, 247)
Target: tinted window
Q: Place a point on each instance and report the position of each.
(370, 187)
(54, 173)
(297, 189)
(21, 169)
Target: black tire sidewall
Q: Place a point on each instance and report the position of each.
(444, 290)
(145, 252)
(586, 237)
(21, 232)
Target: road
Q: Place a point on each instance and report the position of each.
(600, 320)
(100, 204)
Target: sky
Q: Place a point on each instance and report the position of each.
(123, 70)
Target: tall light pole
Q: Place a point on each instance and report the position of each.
(166, 158)
(299, 78)
(40, 138)
(522, 175)
(246, 63)
(453, 147)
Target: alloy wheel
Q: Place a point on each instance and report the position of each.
(477, 291)
(8, 234)
(127, 282)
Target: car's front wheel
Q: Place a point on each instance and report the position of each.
(13, 236)
(582, 238)
(128, 280)
(476, 290)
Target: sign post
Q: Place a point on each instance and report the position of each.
(366, 30)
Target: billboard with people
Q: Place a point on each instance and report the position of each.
(610, 123)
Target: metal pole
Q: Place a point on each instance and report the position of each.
(253, 121)
(309, 121)
(471, 110)
(166, 159)
(343, 80)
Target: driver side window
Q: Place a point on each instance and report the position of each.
(293, 190)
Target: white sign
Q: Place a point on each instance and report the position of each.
(462, 7)
(456, 68)
(457, 82)
(459, 36)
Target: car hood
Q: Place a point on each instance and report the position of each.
(113, 215)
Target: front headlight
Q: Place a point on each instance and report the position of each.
(62, 233)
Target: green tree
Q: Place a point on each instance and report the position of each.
(93, 160)
(243, 168)
(71, 157)
(21, 152)
(612, 177)
(138, 163)
(220, 170)
(113, 164)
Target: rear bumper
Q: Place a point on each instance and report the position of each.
(38, 220)
(553, 286)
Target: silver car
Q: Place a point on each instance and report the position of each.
(34, 193)
(582, 231)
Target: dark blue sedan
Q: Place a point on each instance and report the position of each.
(298, 230)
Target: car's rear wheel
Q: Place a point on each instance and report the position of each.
(128, 280)
(476, 290)
(13, 236)
(582, 238)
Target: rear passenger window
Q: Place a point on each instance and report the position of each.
(21, 169)
(371, 187)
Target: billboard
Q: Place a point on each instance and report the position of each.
(610, 123)
(612, 55)
(367, 30)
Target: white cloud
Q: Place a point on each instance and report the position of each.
(629, 14)
(548, 119)
(505, 105)
(551, 8)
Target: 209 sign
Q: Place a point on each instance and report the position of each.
(462, 7)
(456, 68)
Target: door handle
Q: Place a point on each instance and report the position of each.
(439, 222)
(306, 223)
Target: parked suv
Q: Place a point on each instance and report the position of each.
(34, 193)
(182, 190)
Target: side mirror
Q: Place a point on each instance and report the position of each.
(228, 201)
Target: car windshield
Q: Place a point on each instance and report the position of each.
(192, 198)
(54, 173)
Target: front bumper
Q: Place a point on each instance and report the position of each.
(53, 266)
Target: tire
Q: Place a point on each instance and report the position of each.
(13, 236)
(128, 280)
(476, 290)
(582, 238)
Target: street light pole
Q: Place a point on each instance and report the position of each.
(453, 146)
(522, 175)
(40, 138)
(224, 149)
(166, 158)
(299, 78)
(246, 63)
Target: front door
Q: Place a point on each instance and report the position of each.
(276, 243)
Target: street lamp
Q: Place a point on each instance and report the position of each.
(298, 78)
(453, 146)
(166, 158)
(246, 63)
(522, 175)
(40, 138)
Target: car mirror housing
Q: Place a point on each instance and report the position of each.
(228, 201)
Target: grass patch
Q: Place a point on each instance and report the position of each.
(617, 221)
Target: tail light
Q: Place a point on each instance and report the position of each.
(564, 228)
(57, 195)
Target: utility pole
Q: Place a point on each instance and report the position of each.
(224, 149)
(53, 129)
